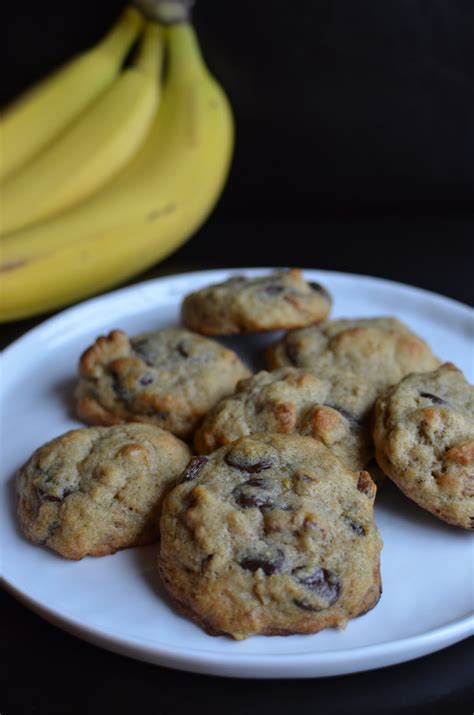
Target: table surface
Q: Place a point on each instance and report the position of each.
(49, 671)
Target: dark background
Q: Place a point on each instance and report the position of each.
(355, 152)
(355, 129)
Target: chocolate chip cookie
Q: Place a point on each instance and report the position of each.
(271, 535)
(380, 350)
(98, 489)
(169, 378)
(334, 409)
(281, 300)
(424, 438)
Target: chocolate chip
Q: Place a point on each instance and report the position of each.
(146, 379)
(193, 468)
(355, 421)
(44, 496)
(68, 492)
(206, 562)
(250, 495)
(274, 289)
(240, 461)
(433, 398)
(250, 501)
(292, 353)
(142, 351)
(305, 606)
(122, 393)
(318, 288)
(257, 482)
(181, 348)
(357, 528)
(52, 528)
(325, 584)
(268, 562)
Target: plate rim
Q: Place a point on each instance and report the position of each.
(330, 663)
(333, 662)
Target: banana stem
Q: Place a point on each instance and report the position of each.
(167, 12)
(150, 51)
(184, 54)
(122, 34)
(183, 51)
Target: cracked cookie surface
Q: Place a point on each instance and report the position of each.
(281, 300)
(98, 489)
(271, 535)
(380, 350)
(424, 438)
(335, 410)
(169, 378)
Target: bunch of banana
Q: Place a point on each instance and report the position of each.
(125, 184)
(94, 148)
(31, 122)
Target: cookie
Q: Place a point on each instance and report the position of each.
(281, 300)
(334, 409)
(424, 438)
(380, 350)
(98, 489)
(271, 535)
(169, 378)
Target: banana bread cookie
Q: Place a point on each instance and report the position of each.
(271, 535)
(169, 378)
(98, 489)
(424, 438)
(335, 410)
(281, 300)
(380, 350)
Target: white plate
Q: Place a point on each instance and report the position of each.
(118, 602)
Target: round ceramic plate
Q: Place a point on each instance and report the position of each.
(118, 601)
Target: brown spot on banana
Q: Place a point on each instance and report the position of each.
(156, 213)
(13, 265)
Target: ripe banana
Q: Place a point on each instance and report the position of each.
(33, 120)
(93, 149)
(146, 212)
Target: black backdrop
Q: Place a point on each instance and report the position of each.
(355, 128)
(341, 106)
(355, 152)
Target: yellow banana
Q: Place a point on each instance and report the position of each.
(39, 115)
(146, 212)
(93, 149)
